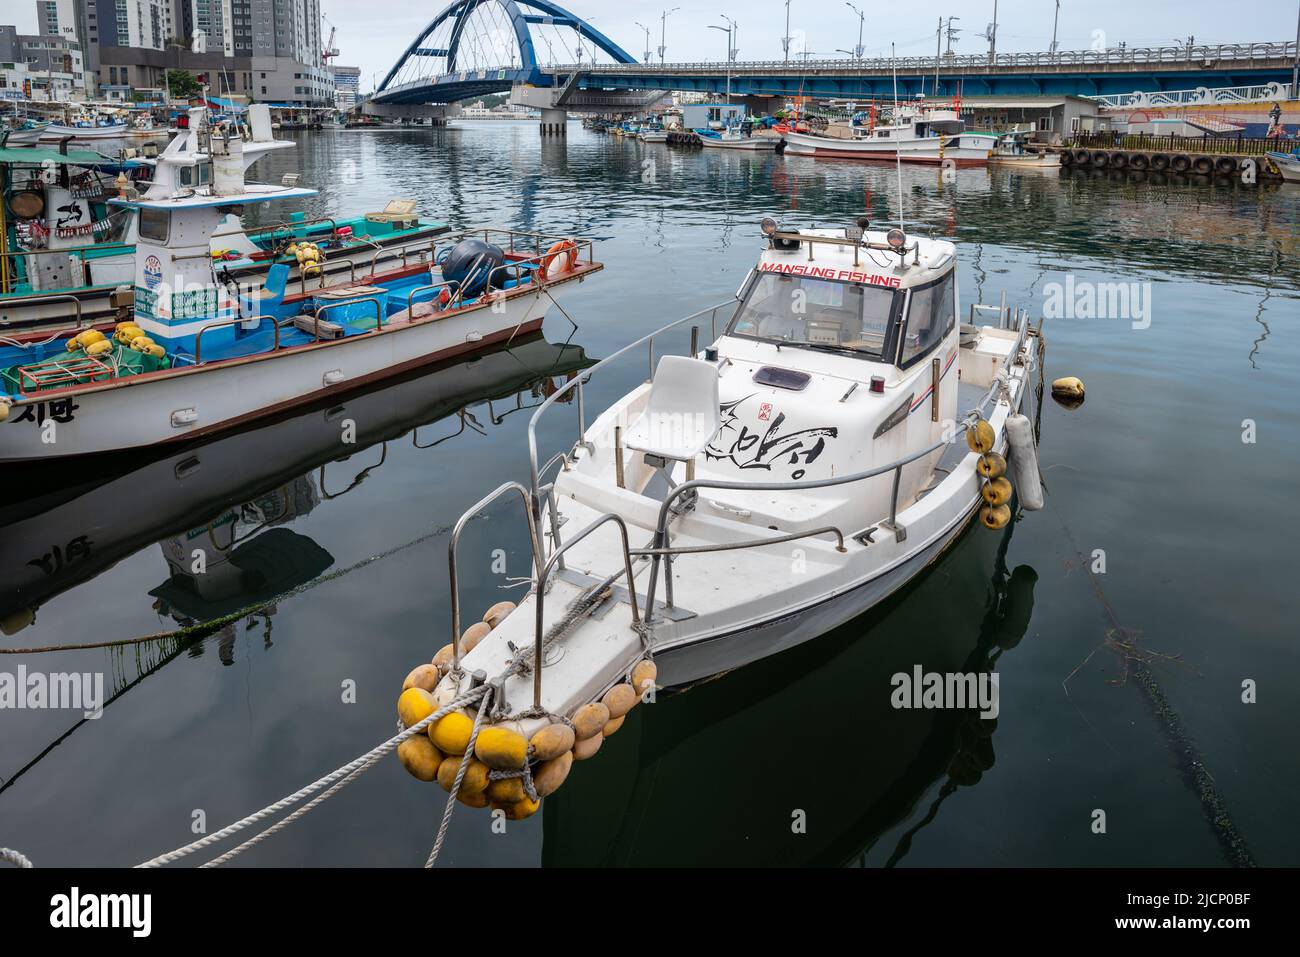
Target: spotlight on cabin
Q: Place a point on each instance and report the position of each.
(769, 226)
(896, 239)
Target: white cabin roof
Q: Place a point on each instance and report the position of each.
(925, 261)
(203, 197)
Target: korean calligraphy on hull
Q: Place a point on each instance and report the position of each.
(767, 448)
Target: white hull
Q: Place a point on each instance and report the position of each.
(25, 137)
(964, 149)
(1030, 161)
(1288, 166)
(140, 411)
(748, 143)
(57, 131)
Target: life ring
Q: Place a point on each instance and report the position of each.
(567, 246)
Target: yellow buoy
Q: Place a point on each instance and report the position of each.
(498, 612)
(476, 775)
(420, 757)
(1067, 387)
(552, 741)
(99, 348)
(472, 635)
(991, 465)
(501, 749)
(422, 676)
(995, 516)
(619, 699)
(586, 747)
(414, 705)
(518, 810)
(589, 720)
(444, 657)
(997, 492)
(451, 732)
(643, 677)
(472, 800)
(549, 775)
(4, 410)
(140, 343)
(507, 791)
(613, 725)
(155, 350)
(980, 436)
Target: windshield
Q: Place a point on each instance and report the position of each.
(816, 314)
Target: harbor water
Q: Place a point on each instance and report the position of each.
(1140, 626)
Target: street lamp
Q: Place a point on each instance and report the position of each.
(731, 50)
(663, 31)
(647, 38)
(862, 19)
(1055, 19)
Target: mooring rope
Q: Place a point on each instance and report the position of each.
(16, 858)
(336, 776)
(483, 707)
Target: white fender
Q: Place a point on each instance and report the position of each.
(1024, 462)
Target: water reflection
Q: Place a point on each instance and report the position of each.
(812, 731)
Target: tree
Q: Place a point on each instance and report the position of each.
(182, 84)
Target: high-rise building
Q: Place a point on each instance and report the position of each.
(347, 86)
(70, 21)
(268, 50)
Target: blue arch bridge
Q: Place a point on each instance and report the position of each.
(551, 60)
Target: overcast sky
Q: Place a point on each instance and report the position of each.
(373, 33)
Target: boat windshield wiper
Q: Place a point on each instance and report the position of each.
(827, 347)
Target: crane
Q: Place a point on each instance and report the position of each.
(329, 51)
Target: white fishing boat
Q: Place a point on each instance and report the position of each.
(916, 135)
(82, 249)
(27, 133)
(85, 128)
(201, 353)
(1288, 164)
(734, 138)
(654, 135)
(1011, 151)
(839, 433)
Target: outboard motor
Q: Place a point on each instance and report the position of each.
(469, 263)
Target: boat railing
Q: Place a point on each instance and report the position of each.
(274, 230)
(410, 296)
(454, 542)
(578, 383)
(841, 241)
(379, 312)
(540, 242)
(238, 320)
(544, 575)
(24, 300)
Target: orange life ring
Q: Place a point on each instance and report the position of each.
(563, 246)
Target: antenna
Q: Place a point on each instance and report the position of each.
(898, 156)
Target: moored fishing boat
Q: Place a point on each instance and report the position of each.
(1288, 164)
(735, 138)
(22, 133)
(203, 353)
(840, 432)
(1011, 151)
(69, 248)
(916, 135)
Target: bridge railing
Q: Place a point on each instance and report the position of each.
(1173, 143)
(1196, 54)
(1259, 93)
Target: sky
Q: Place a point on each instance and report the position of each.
(374, 33)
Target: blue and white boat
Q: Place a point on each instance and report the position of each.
(203, 352)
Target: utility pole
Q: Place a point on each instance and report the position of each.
(663, 32)
(862, 19)
(952, 34)
(993, 35)
(938, 44)
(785, 40)
(1055, 19)
(1295, 67)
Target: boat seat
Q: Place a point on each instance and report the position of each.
(264, 300)
(681, 417)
